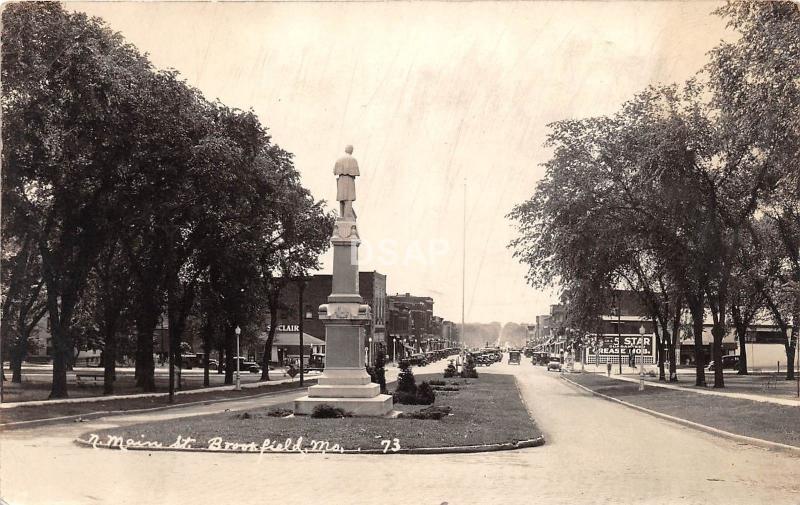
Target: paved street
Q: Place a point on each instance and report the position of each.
(596, 452)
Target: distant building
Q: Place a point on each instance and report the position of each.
(372, 288)
(411, 322)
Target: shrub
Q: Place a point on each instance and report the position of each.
(450, 371)
(325, 411)
(435, 382)
(446, 388)
(280, 412)
(469, 371)
(378, 373)
(427, 413)
(425, 394)
(405, 381)
(404, 398)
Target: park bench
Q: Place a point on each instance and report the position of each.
(770, 381)
(82, 378)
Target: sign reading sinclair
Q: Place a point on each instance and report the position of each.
(286, 328)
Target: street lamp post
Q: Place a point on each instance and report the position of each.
(641, 357)
(238, 332)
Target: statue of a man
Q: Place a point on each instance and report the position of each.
(346, 168)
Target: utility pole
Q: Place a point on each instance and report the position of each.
(619, 331)
(301, 285)
(463, 262)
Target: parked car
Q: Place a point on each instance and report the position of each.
(483, 359)
(245, 366)
(728, 363)
(554, 364)
(251, 366)
(417, 359)
(514, 357)
(316, 362)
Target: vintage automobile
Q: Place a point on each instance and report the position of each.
(554, 364)
(316, 362)
(245, 366)
(483, 359)
(514, 357)
(728, 363)
(418, 359)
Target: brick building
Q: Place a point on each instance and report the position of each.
(371, 287)
(411, 322)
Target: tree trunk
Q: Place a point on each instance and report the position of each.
(659, 341)
(206, 352)
(741, 334)
(145, 366)
(60, 354)
(697, 330)
(718, 332)
(790, 352)
(273, 322)
(673, 341)
(16, 369)
(230, 343)
(61, 345)
(109, 362)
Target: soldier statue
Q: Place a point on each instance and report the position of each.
(346, 168)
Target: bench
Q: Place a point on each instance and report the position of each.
(81, 377)
(770, 382)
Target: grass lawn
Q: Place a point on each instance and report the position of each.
(34, 412)
(486, 410)
(776, 423)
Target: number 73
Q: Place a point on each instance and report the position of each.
(390, 445)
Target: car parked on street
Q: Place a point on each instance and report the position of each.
(418, 359)
(554, 364)
(728, 363)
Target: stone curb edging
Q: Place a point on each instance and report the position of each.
(789, 402)
(791, 449)
(464, 449)
(102, 398)
(33, 423)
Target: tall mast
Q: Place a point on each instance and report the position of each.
(463, 262)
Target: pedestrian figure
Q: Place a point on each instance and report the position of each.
(608, 368)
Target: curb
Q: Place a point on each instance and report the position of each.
(33, 423)
(463, 449)
(712, 392)
(791, 449)
(102, 398)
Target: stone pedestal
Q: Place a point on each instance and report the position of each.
(345, 383)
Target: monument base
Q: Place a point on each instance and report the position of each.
(377, 406)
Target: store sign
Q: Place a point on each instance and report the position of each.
(631, 344)
(287, 328)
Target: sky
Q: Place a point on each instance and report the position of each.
(433, 96)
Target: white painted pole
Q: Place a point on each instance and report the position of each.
(238, 332)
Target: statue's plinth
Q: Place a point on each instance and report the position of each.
(345, 383)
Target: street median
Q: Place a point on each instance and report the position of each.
(765, 425)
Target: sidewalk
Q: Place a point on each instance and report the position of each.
(102, 398)
(743, 387)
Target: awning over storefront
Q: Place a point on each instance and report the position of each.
(287, 338)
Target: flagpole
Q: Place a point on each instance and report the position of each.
(463, 262)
